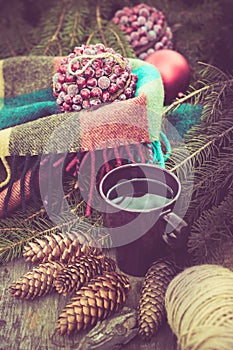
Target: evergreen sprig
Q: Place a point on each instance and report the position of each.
(214, 87)
(103, 30)
(15, 34)
(212, 230)
(204, 163)
(62, 27)
(54, 28)
(220, 84)
(19, 228)
(204, 166)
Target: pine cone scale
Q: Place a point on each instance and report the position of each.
(75, 275)
(97, 300)
(37, 282)
(57, 247)
(152, 299)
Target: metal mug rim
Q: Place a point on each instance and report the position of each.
(140, 210)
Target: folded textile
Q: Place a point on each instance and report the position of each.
(32, 125)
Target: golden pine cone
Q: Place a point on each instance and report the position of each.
(57, 247)
(101, 297)
(36, 282)
(74, 276)
(152, 313)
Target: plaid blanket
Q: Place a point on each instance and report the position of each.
(31, 124)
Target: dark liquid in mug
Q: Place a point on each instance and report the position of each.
(140, 194)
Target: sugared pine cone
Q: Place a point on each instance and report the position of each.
(152, 313)
(36, 282)
(100, 298)
(145, 27)
(73, 276)
(57, 247)
(92, 75)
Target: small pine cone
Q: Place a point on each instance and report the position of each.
(36, 282)
(100, 298)
(74, 276)
(152, 313)
(57, 247)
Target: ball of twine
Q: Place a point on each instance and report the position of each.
(199, 305)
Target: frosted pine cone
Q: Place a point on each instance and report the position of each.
(152, 312)
(145, 27)
(74, 276)
(57, 247)
(36, 282)
(101, 297)
(92, 75)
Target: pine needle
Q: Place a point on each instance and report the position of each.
(204, 163)
(215, 86)
(20, 228)
(213, 228)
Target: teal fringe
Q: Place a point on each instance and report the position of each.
(156, 148)
(167, 145)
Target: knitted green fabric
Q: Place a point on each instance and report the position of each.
(184, 117)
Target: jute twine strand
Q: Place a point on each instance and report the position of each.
(92, 58)
(199, 305)
(116, 57)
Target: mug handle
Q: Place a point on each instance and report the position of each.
(177, 232)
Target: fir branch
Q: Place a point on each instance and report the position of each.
(10, 47)
(213, 228)
(103, 30)
(97, 30)
(34, 215)
(54, 38)
(216, 84)
(210, 185)
(63, 27)
(13, 239)
(212, 73)
(20, 228)
(99, 23)
(203, 150)
(118, 41)
(15, 32)
(26, 43)
(74, 29)
(204, 165)
(113, 37)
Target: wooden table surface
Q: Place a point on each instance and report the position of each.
(29, 325)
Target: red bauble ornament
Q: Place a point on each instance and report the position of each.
(174, 70)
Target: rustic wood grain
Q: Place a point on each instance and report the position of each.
(29, 325)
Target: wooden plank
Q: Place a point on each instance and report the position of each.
(30, 325)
